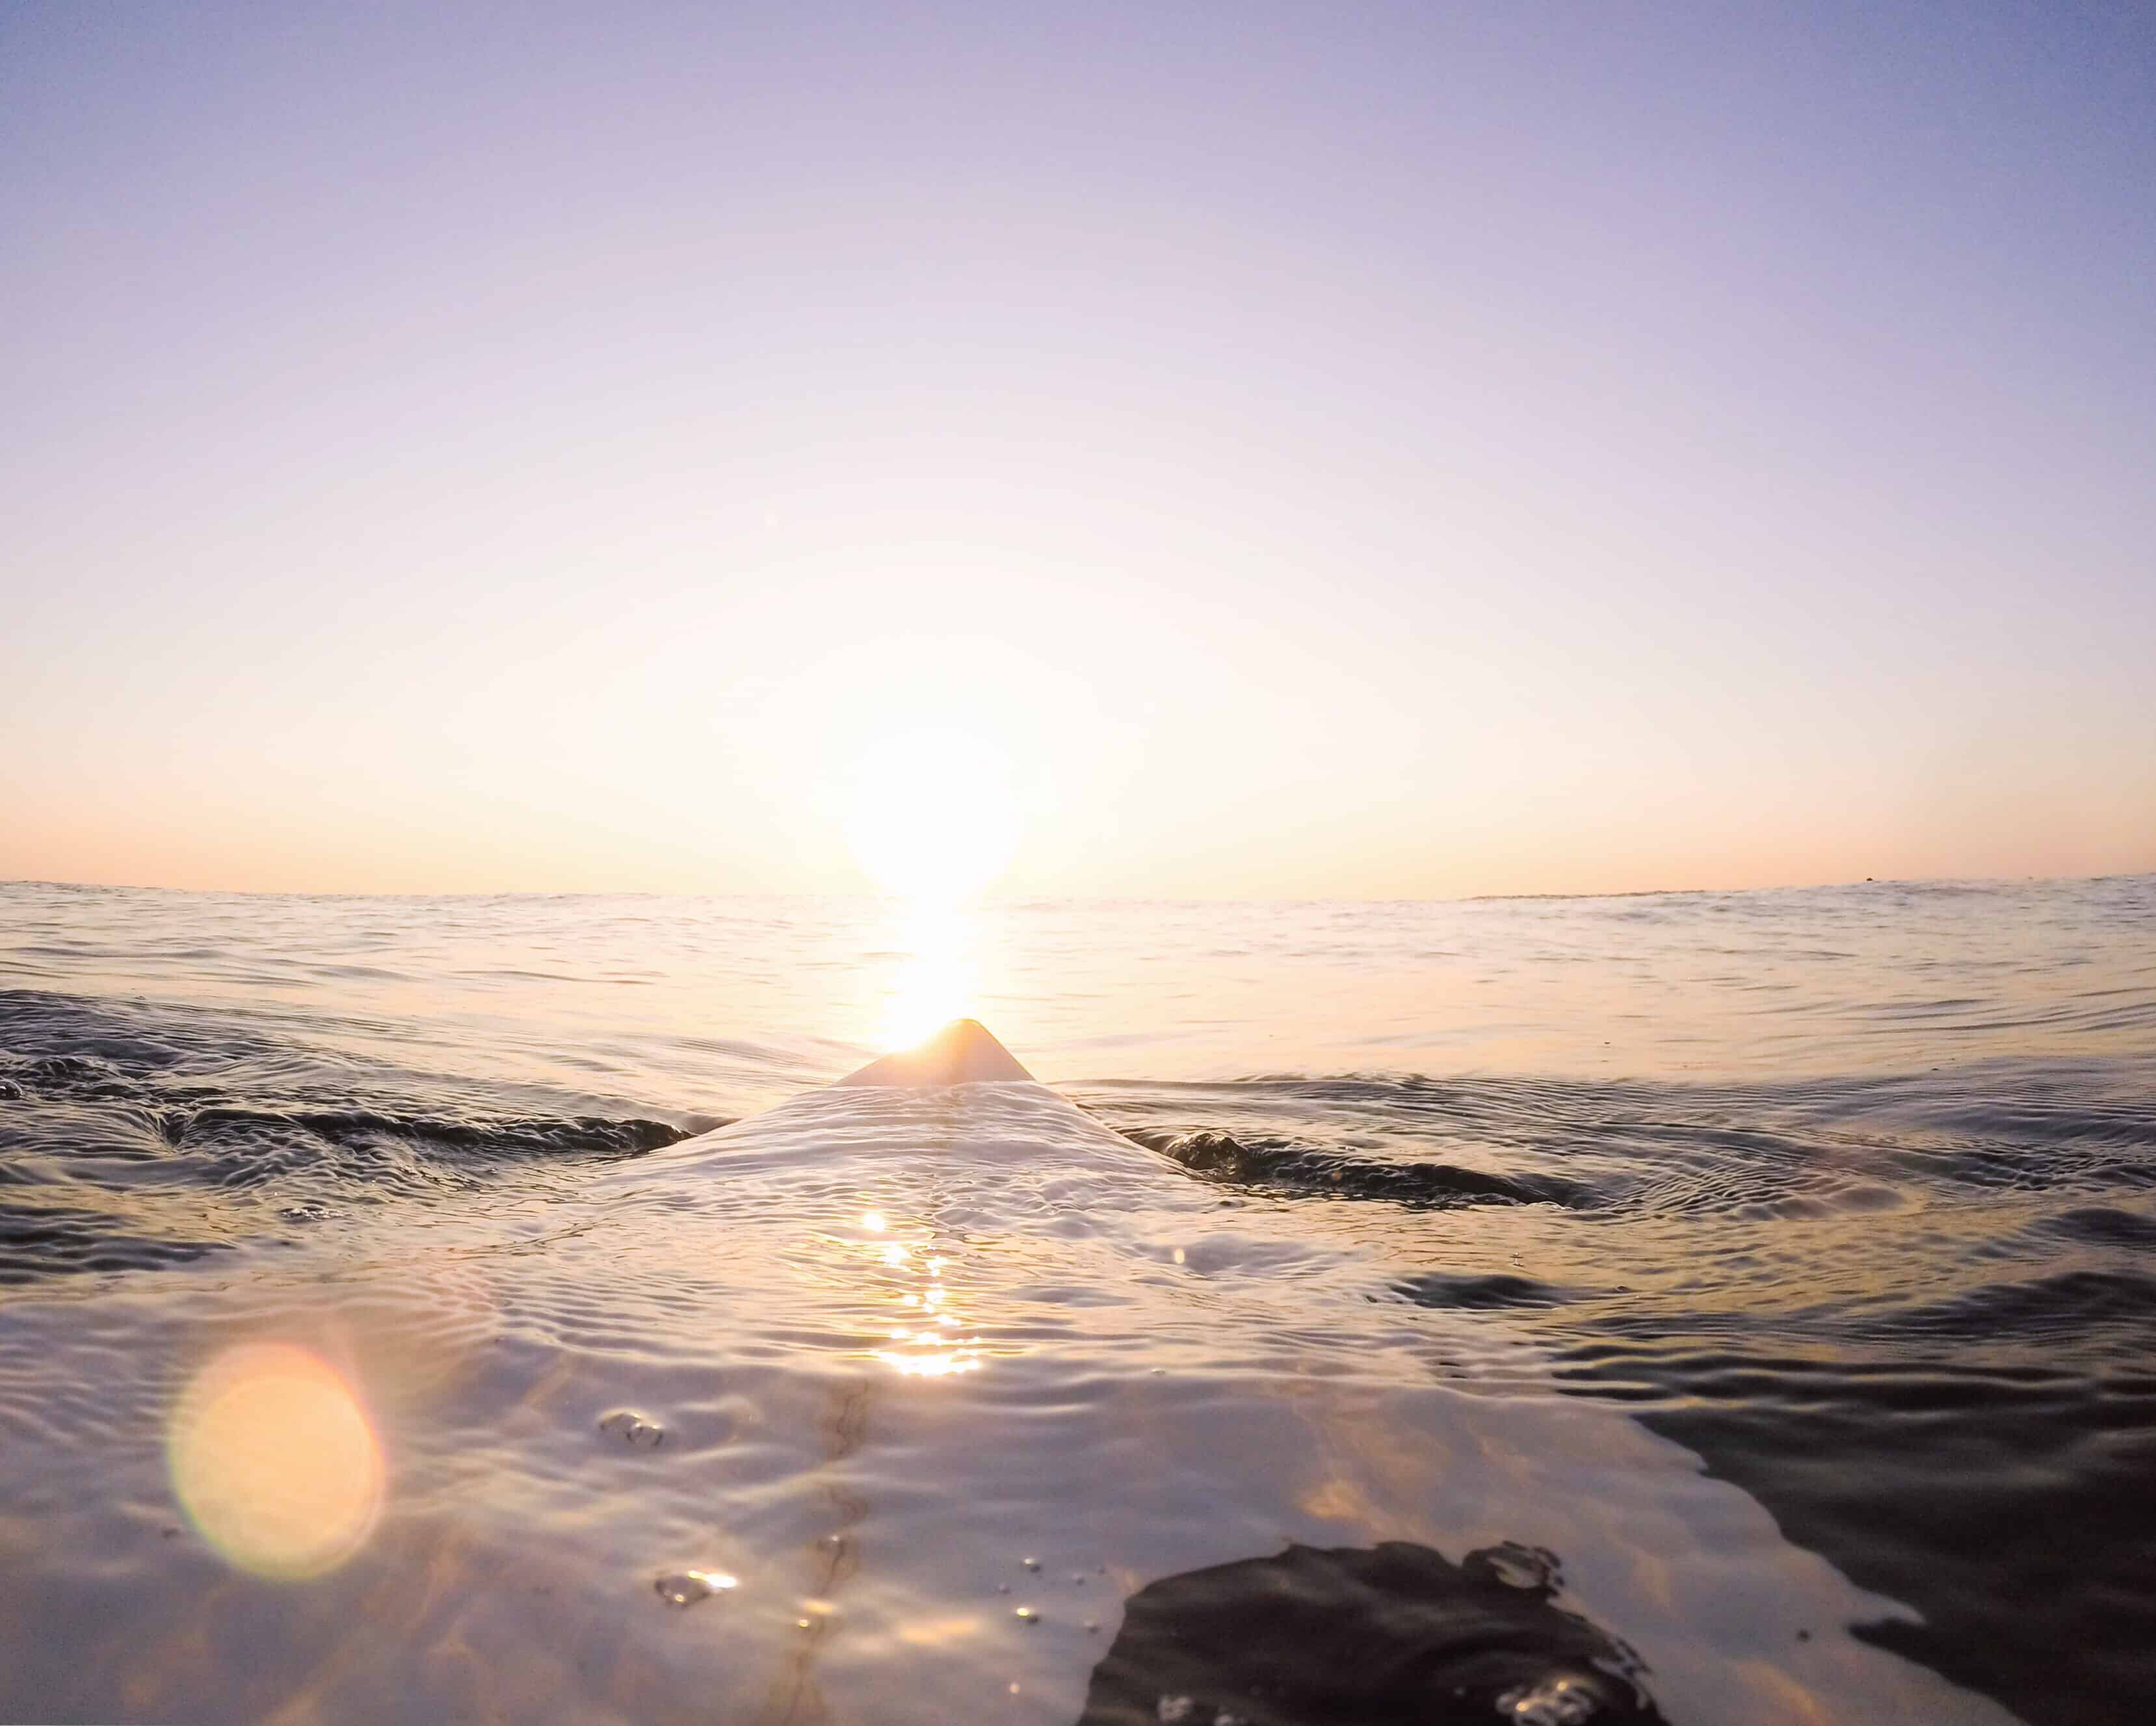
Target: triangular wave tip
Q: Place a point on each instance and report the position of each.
(963, 1053)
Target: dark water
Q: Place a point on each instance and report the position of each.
(1850, 1192)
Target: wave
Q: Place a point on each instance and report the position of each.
(160, 1138)
(1308, 1169)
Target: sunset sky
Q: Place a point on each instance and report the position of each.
(1180, 450)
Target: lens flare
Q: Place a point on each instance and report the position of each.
(273, 1460)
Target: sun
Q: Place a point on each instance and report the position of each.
(932, 813)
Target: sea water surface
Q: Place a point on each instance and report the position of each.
(380, 1338)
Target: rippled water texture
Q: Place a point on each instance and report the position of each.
(1697, 1307)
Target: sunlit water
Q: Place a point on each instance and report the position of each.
(381, 1339)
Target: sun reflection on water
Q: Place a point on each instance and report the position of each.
(936, 978)
(929, 1340)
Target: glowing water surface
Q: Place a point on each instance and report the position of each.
(943, 1375)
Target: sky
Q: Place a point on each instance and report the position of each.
(1164, 450)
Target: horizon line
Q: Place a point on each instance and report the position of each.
(993, 899)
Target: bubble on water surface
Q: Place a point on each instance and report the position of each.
(1562, 1700)
(1516, 1566)
(631, 1428)
(689, 1588)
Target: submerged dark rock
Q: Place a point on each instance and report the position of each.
(1391, 1636)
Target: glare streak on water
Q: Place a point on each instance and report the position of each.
(1850, 1190)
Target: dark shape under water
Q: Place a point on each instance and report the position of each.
(1353, 1636)
(1221, 1156)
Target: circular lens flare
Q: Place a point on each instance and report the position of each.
(275, 1462)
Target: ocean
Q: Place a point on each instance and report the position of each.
(1741, 1302)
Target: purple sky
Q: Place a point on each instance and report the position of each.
(1308, 451)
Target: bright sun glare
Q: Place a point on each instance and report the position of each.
(938, 977)
(932, 814)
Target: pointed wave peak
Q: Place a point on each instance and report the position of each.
(961, 1054)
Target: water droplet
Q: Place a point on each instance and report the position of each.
(688, 1588)
(633, 1429)
(1559, 1700)
(1517, 1566)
